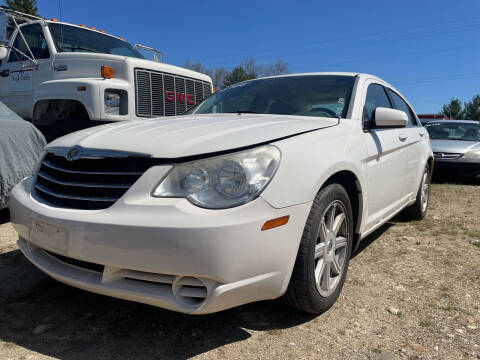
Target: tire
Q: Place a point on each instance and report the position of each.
(322, 254)
(418, 210)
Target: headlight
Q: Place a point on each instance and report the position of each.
(112, 99)
(116, 102)
(224, 181)
(472, 154)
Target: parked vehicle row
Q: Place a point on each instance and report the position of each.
(260, 191)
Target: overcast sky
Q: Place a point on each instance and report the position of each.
(429, 50)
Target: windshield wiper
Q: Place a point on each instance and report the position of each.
(242, 112)
(77, 48)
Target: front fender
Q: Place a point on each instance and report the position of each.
(88, 91)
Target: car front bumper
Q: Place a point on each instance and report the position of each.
(164, 252)
(464, 168)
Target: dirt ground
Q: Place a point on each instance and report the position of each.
(412, 291)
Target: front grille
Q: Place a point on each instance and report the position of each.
(162, 94)
(89, 184)
(443, 155)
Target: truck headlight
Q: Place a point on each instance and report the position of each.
(472, 154)
(116, 102)
(224, 181)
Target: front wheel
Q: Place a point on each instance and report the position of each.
(324, 252)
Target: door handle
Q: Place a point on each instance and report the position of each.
(402, 136)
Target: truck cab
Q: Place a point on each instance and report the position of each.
(66, 77)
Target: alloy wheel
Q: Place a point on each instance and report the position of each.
(331, 248)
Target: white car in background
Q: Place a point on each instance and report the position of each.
(258, 192)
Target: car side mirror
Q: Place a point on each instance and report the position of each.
(386, 117)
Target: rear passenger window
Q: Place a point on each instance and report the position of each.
(376, 97)
(400, 104)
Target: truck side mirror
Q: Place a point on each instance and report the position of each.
(386, 117)
(3, 52)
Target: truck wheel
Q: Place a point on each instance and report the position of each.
(324, 252)
(418, 210)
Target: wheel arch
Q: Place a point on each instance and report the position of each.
(49, 111)
(352, 185)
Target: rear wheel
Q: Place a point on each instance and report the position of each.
(324, 252)
(418, 210)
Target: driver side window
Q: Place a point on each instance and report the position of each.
(36, 41)
(376, 97)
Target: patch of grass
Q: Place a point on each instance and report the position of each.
(425, 323)
(445, 295)
(376, 351)
(463, 311)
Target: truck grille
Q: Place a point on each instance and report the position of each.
(162, 94)
(89, 184)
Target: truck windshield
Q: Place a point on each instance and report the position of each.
(74, 39)
(307, 95)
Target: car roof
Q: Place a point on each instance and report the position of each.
(324, 73)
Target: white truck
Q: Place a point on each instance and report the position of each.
(66, 77)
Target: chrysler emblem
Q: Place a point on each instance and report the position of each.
(73, 154)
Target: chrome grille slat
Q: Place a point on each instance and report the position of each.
(73, 197)
(94, 185)
(151, 88)
(56, 167)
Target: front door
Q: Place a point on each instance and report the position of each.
(19, 76)
(386, 160)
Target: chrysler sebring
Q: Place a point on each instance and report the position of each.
(261, 191)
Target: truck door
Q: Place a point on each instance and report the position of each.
(19, 76)
(385, 162)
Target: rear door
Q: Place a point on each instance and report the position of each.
(413, 143)
(386, 159)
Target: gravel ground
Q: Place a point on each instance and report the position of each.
(412, 292)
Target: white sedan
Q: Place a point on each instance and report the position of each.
(261, 191)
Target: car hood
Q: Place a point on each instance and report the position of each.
(453, 146)
(182, 136)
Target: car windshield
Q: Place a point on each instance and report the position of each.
(74, 39)
(312, 95)
(454, 131)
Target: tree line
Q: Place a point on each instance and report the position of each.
(246, 70)
(469, 110)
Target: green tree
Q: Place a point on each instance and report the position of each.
(24, 6)
(453, 110)
(246, 70)
(472, 109)
(237, 75)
